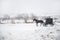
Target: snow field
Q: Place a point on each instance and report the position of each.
(29, 31)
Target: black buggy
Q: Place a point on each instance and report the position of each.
(49, 21)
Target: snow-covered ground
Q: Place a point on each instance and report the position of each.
(30, 31)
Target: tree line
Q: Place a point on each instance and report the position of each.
(24, 17)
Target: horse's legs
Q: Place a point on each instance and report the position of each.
(41, 24)
(36, 24)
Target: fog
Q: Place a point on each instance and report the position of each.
(38, 7)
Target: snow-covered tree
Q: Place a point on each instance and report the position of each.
(25, 17)
(6, 17)
(19, 16)
(33, 16)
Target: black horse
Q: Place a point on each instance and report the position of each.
(38, 21)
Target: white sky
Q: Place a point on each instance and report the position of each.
(38, 7)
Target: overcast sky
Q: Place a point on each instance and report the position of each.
(38, 7)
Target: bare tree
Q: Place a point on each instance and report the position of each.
(19, 16)
(25, 17)
(0, 20)
(33, 16)
(6, 17)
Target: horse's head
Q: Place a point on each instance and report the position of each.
(34, 19)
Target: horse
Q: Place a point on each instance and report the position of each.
(38, 21)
